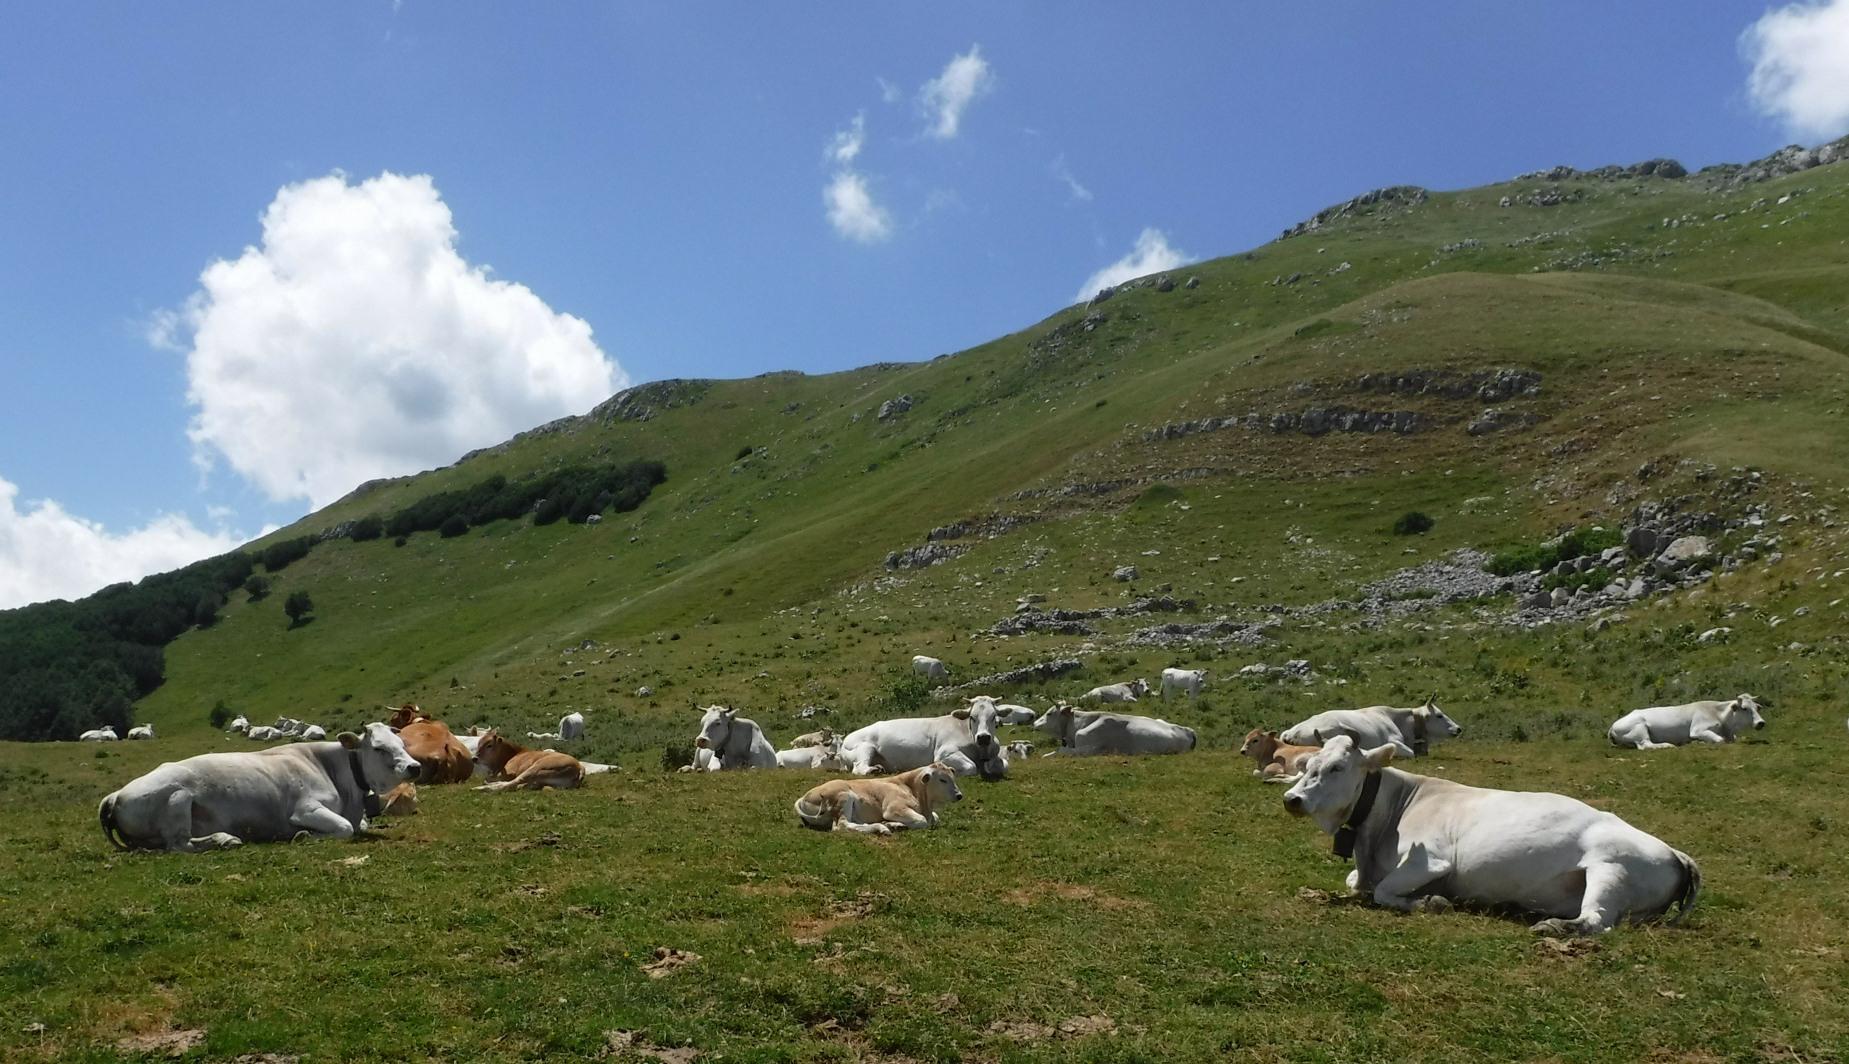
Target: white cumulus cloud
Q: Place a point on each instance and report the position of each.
(355, 342)
(851, 209)
(945, 97)
(46, 552)
(846, 145)
(1152, 254)
(1800, 58)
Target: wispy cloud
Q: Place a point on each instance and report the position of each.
(1076, 193)
(846, 145)
(1800, 58)
(852, 211)
(889, 92)
(945, 97)
(1152, 254)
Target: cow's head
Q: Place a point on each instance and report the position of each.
(1332, 779)
(831, 761)
(938, 785)
(1057, 722)
(715, 727)
(1139, 687)
(1259, 744)
(1437, 725)
(494, 751)
(982, 717)
(382, 756)
(1743, 713)
(405, 715)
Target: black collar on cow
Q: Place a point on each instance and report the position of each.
(1345, 835)
(368, 799)
(1421, 745)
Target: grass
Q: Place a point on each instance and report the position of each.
(754, 577)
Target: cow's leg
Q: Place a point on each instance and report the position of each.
(318, 819)
(959, 763)
(1706, 735)
(902, 819)
(1600, 908)
(849, 810)
(1418, 869)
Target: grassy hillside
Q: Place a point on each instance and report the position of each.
(1670, 348)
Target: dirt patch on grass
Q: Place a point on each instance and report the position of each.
(1566, 947)
(669, 960)
(1028, 895)
(1074, 1027)
(810, 930)
(628, 1045)
(169, 1043)
(550, 838)
(767, 890)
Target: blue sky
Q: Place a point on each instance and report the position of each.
(649, 183)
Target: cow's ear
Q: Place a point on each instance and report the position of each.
(1378, 758)
(348, 740)
(960, 714)
(728, 713)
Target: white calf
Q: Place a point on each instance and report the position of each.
(1661, 727)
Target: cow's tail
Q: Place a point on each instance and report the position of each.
(813, 816)
(106, 815)
(1691, 886)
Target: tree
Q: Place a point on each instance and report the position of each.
(205, 610)
(298, 605)
(372, 526)
(258, 586)
(454, 525)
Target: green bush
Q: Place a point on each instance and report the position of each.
(298, 605)
(1412, 523)
(906, 694)
(453, 526)
(277, 556)
(372, 526)
(258, 586)
(1575, 544)
(220, 716)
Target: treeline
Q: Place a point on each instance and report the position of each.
(69, 666)
(66, 667)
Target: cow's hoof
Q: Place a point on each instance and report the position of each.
(1556, 926)
(302, 836)
(1433, 903)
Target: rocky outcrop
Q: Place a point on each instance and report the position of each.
(895, 406)
(923, 557)
(1401, 197)
(1312, 421)
(1663, 168)
(644, 401)
(1039, 672)
(1485, 386)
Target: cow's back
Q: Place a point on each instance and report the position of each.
(1367, 727)
(249, 794)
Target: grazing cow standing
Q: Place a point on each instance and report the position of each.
(1411, 730)
(443, 757)
(1661, 727)
(930, 668)
(1090, 734)
(880, 807)
(1277, 761)
(141, 731)
(1423, 843)
(571, 726)
(213, 801)
(104, 734)
(1117, 692)
(964, 739)
(1187, 681)
(524, 769)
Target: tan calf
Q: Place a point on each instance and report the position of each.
(880, 806)
(518, 767)
(1277, 760)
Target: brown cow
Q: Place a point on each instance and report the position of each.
(1278, 761)
(444, 760)
(523, 768)
(400, 800)
(880, 807)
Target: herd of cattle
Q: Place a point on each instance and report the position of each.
(1418, 842)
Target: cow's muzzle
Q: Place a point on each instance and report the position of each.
(1758, 724)
(1293, 804)
(985, 741)
(700, 742)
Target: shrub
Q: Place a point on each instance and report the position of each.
(453, 526)
(1412, 523)
(258, 586)
(298, 605)
(906, 694)
(372, 526)
(220, 716)
(205, 609)
(278, 555)
(1575, 544)
(676, 756)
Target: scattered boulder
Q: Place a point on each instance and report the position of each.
(1684, 553)
(1714, 635)
(1124, 573)
(893, 407)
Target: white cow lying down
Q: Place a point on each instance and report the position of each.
(1089, 734)
(1411, 730)
(963, 739)
(1117, 692)
(1421, 843)
(729, 741)
(1661, 727)
(219, 800)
